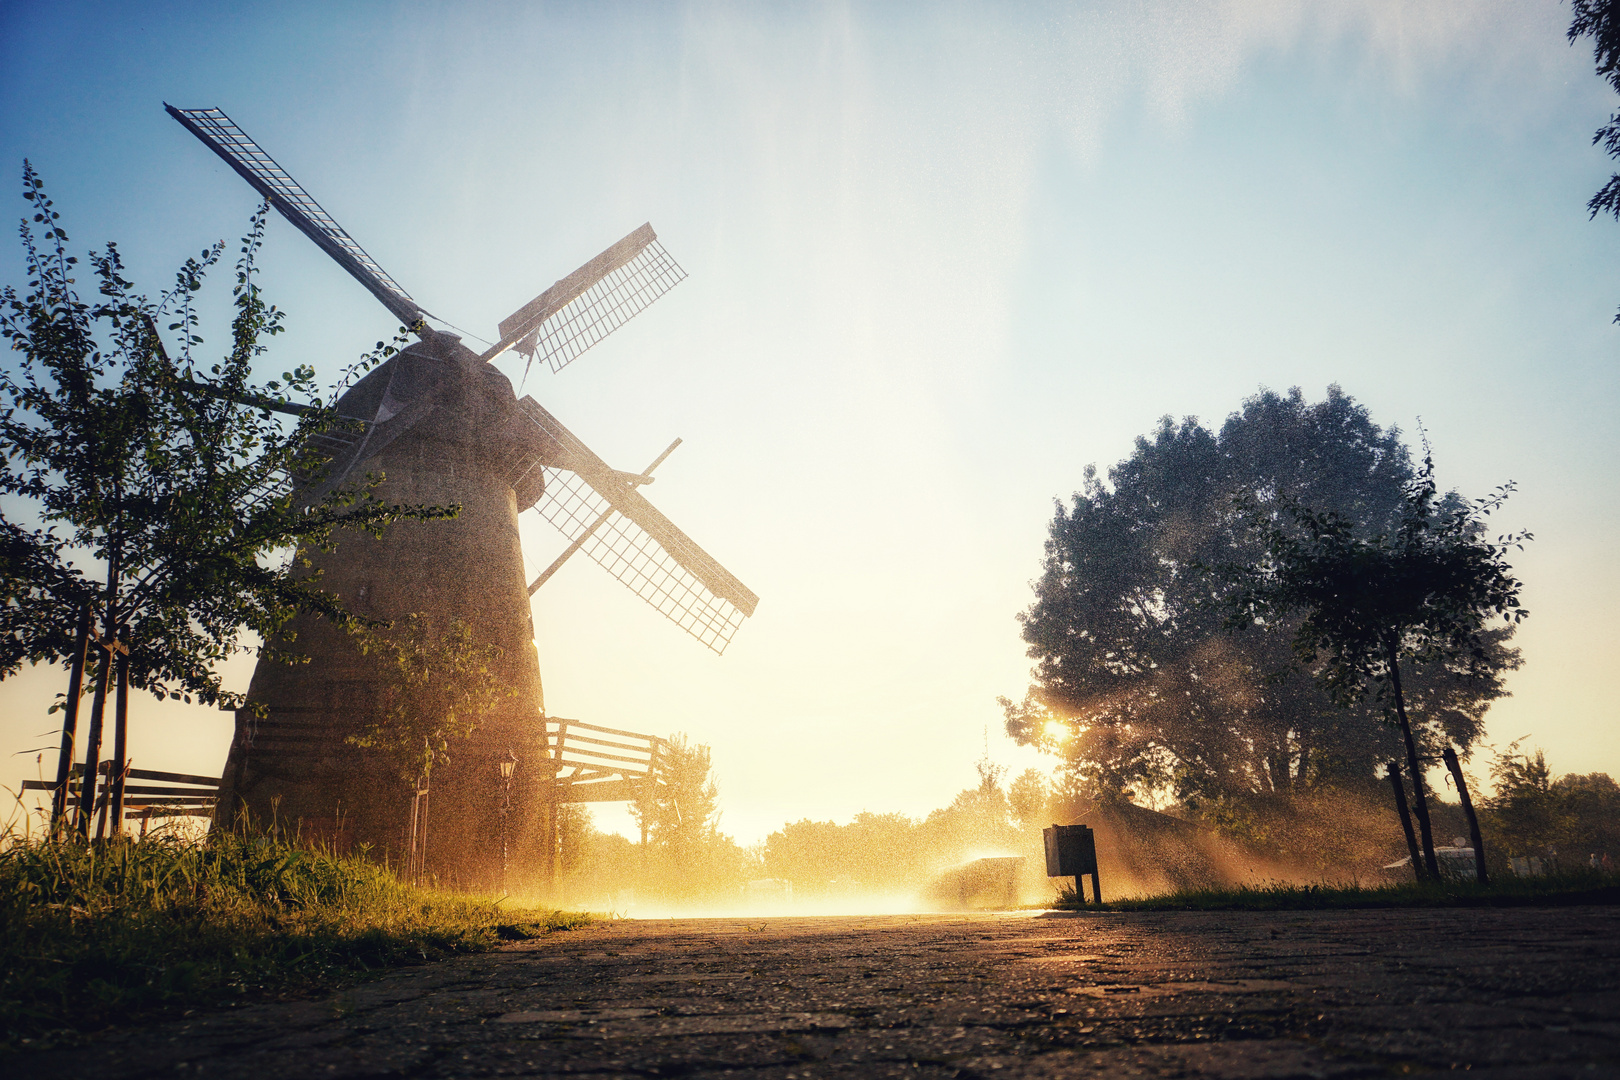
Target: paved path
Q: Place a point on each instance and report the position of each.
(1505, 993)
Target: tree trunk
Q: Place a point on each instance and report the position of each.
(1406, 819)
(1468, 809)
(1420, 804)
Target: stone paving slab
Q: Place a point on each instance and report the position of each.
(1502, 993)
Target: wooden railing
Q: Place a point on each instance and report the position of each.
(601, 764)
(148, 794)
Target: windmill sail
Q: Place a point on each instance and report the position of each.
(221, 135)
(592, 302)
(635, 543)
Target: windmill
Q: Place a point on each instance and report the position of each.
(444, 426)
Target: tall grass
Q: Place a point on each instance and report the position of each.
(94, 933)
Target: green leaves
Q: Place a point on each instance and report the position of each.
(682, 814)
(1428, 587)
(435, 686)
(119, 452)
(1600, 20)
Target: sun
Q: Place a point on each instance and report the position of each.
(1056, 730)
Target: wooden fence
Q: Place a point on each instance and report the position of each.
(148, 794)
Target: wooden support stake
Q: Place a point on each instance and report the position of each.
(416, 863)
(70, 718)
(104, 800)
(422, 832)
(1455, 766)
(1406, 819)
(92, 748)
(410, 834)
(120, 742)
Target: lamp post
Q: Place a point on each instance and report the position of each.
(508, 765)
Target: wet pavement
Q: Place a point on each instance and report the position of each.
(1503, 993)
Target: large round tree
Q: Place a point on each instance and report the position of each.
(1136, 682)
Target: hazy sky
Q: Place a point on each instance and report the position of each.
(942, 256)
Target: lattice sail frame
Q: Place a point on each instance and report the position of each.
(631, 538)
(607, 305)
(640, 562)
(221, 135)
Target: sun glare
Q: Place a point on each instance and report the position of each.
(1056, 730)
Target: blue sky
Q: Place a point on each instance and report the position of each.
(942, 257)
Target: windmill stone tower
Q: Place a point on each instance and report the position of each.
(295, 764)
(444, 427)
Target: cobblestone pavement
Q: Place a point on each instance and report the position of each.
(1505, 993)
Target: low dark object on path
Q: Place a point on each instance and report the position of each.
(981, 885)
(1189, 994)
(1071, 851)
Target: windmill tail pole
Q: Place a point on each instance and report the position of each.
(644, 477)
(1455, 766)
(579, 542)
(659, 460)
(1406, 818)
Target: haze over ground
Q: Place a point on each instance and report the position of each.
(941, 259)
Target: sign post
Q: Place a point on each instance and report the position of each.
(1071, 851)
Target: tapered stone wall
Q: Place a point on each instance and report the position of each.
(448, 432)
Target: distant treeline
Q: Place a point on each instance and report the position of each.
(1325, 833)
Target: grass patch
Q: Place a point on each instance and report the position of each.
(1582, 887)
(92, 934)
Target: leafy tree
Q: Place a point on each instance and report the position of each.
(1600, 21)
(1137, 684)
(576, 829)
(1593, 804)
(1523, 811)
(804, 852)
(1532, 812)
(894, 852)
(978, 820)
(437, 686)
(1028, 796)
(874, 851)
(681, 818)
(684, 810)
(153, 490)
(1423, 591)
